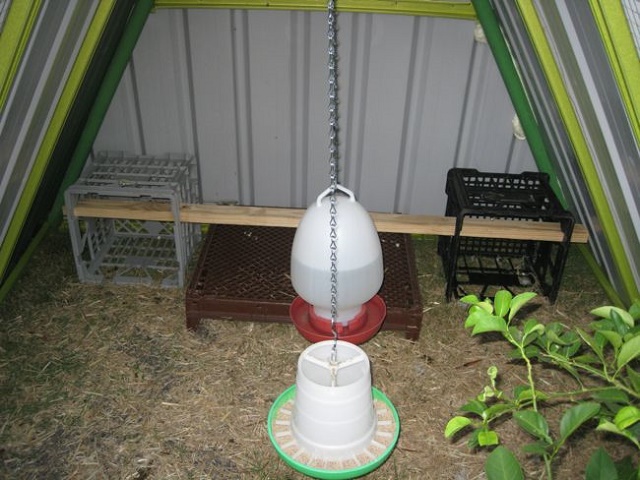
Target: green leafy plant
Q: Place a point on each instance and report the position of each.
(602, 360)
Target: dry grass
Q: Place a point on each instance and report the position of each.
(104, 382)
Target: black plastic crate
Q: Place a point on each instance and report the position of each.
(484, 265)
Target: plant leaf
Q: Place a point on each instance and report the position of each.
(470, 299)
(518, 302)
(539, 448)
(634, 378)
(515, 333)
(497, 409)
(626, 469)
(487, 392)
(531, 351)
(611, 395)
(572, 349)
(474, 316)
(490, 323)
(553, 337)
(486, 305)
(614, 338)
(502, 302)
(472, 443)
(488, 438)
(474, 406)
(501, 464)
(601, 466)
(622, 326)
(606, 312)
(628, 351)
(589, 340)
(532, 325)
(607, 426)
(518, 389)
(626, 417)
(527, 394)
(534, 424)
(587, 359)
(455, 425)
(574, 417)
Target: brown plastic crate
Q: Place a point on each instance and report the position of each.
(243, 274)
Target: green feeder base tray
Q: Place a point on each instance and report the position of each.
(382, 445)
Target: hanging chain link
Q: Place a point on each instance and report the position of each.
(333, 166)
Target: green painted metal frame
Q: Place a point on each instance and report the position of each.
(13, 40)
(461, 10)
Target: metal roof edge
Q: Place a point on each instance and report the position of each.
(460, 10)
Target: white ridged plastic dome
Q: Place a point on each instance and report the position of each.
(359, 256)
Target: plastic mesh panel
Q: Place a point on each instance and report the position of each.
(243, 273)
(527, 194)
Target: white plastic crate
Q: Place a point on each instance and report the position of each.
(130, 251)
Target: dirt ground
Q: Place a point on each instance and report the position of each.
(105, 382)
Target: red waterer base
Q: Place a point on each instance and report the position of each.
(361, 328)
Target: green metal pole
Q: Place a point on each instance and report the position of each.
(489, 21)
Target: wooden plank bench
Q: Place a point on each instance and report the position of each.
(290, 217)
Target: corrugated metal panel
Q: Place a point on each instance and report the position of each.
(602, 116)
(600, 111)
(32, 100)
(51, 118)
(632, 11)
(245, 91)
(4, 9)
(570, 178)
(16, 23)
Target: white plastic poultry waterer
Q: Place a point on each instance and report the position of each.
(360, 271)
(332, 424)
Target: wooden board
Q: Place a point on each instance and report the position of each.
(290, 217)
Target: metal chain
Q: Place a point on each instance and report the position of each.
(333, 166)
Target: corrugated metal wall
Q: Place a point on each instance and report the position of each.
(245, 91)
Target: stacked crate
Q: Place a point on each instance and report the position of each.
(487, 264)
(125, 250)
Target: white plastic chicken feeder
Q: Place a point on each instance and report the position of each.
(360, 312)
(332, 424)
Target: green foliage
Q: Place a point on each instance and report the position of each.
(503, 464)
(607, 352)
